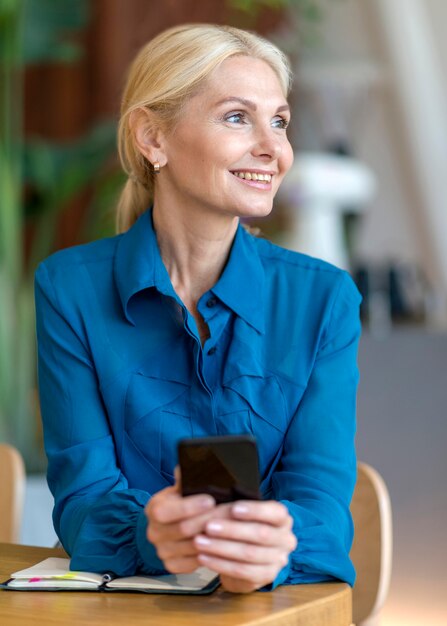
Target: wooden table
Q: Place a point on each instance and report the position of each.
(327, 604)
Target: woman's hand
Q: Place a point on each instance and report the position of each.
(249, 547)
(246, 542)
(174, 521)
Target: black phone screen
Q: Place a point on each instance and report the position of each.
(226, 467)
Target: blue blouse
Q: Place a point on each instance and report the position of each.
(123, 376)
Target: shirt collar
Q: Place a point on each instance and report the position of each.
(138, 263)
(138, 266)
(240, 286)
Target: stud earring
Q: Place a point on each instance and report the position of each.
(156, 167)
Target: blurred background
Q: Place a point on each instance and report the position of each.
(367, 192)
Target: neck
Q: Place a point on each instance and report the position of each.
(194, 248)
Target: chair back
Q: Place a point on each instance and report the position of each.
(11, 494)
(372, 548)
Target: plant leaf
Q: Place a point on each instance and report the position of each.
(46, 24)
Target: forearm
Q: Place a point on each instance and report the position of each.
(109, 534)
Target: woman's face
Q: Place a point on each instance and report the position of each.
(229, 152)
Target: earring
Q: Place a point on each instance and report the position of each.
(156, 167)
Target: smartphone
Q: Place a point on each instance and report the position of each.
(226, 467)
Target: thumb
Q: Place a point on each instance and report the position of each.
(178, 478)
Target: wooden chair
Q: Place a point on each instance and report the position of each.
(11, 494)
(372, 548)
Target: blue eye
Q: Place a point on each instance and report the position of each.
(280, 122)
(235, 118)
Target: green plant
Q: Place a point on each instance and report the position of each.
(297, 27)
(33, 31)
(308, 9)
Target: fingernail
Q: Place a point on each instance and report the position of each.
(240, 509)
(202, 541)
(203, 558)
(214, 527)
(206, 502)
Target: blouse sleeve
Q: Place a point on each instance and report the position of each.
(99, 520)
(317, 472)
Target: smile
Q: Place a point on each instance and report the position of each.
(267, 178)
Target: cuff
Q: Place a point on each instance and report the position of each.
(149, 562)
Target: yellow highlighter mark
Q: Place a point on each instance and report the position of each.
(68, 576)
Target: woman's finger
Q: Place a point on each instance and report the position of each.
(178, 478)
(252, 533)
(269, 511)
(244, 552)
(181, 565)
(191, 526)
(174, 508)
(173, 549)
(259, 575)
(177, 531)
(236, 585)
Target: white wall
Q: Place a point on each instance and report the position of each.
(398, 224)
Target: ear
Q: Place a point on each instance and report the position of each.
(148, 134)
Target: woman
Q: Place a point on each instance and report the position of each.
(186, 325)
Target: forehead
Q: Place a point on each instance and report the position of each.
(244, 77)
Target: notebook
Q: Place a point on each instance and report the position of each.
(54, 574)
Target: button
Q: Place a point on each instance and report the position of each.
(211, 302)
(211, 351)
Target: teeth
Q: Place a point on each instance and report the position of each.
(252, 176)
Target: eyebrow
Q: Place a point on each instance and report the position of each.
(249, 103)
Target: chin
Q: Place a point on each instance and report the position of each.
(255, 211)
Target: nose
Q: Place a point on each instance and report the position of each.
(267, 144)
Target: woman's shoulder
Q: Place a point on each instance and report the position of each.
(291, 260)
(70, 261)
(304, 275)
(297, 265)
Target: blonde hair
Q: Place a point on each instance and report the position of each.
(165, 73)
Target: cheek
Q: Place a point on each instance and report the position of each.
(287, 158)
(227, 148)
(191, 151)
(208, 161)
(285, 163)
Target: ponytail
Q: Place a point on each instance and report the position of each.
(135, 198)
